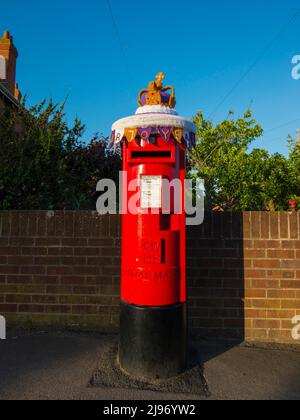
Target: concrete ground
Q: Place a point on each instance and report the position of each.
(60, 365)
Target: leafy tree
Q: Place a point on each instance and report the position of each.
(234, 178)
(294, 157)
(44, 164)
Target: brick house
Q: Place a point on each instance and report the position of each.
(9, 91)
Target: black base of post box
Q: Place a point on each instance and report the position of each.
(153, 341)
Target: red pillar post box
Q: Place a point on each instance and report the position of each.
(153, 327)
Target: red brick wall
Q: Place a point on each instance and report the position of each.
(244, 272)
(59, 268)
(63, 268)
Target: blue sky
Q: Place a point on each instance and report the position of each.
(204, 47)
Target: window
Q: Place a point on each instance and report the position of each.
(2, 68)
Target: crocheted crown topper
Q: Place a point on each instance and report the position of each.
(157, 94)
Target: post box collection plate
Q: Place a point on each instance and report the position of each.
(151, 192)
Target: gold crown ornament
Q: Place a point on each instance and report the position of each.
(157, 94)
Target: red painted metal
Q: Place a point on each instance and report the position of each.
(153, 245)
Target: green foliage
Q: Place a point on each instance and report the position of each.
(237, 179)
(45, 165)
(294, 158)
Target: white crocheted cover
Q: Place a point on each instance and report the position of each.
(153, 116)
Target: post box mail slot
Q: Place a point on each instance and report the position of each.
(151, 154)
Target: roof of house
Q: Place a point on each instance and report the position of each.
(8, 96)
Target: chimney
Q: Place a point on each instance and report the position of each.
(8, 62)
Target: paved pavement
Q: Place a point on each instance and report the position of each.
(60, 365)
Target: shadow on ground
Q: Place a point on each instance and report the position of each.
(60, 366)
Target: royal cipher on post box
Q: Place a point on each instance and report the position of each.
(153, 327)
